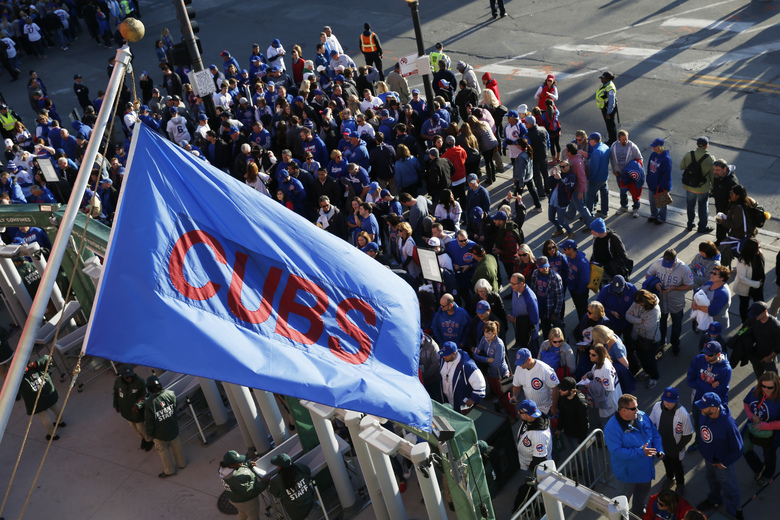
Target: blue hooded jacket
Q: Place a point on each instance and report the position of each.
(578, 276)
(462, 391)
(625, 441)
(659, 172)
(598, 164)
(702, 374)
(451, 328)
(619, 303)
(721, 442)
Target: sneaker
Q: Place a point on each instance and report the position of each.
(603, 215)
(149, 446)
(642, 376)
(707, 229)
(690, 227)
(652, 220)
(49, 437)
(706, 504)
(558, 233)
(659, 222)
(635, 213)
(693, 448)
(651, 383)
(621, 211)
(165, 475)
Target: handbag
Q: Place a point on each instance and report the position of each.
(662, 199)
(596, 274)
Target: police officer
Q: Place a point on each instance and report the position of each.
(437, 55)
(606, 101)
(242, 485)
(8, 119)
(372, 49)
(129, 398)
(162, 425)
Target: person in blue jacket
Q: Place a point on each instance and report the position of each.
(462, 383)
(617, 298)
(578, 276)
(357, 153)
(12, 188)
(314, 144)
(633, 443)
(632, 178)
(451, 322)
(490, 351)
(525, 317)
(721, 448)
(658, 178)
(293, 188)
(476, 196)
(598, 175)
(710, 371)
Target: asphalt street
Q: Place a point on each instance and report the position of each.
(684, 69)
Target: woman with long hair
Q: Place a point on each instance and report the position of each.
(491, 351)
(407, 171)
(448, 211)
(667, 504)
(526, 262)
(487, 146)
(550, 121)
(749, 282)
(702, 264)
(644, 314)
(737, 223)
(523, 172)
(406, 247)
(468, 142)
(617, 349)
(762, 407)
(603, 373)
(362, 240)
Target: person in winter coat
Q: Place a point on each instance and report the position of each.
(709, 372)
(48, 410)
(242, 485)
(293, 487)
(723, 180)
(523, 172)
(720, 454)
(673, 423)
(490, 351)
(547, 285)
(633, 444)
(438, 175)
(631, 180)
(489, 82)
(429, 367)
(572, 411)
(738, 223)
(659, 179)
(407, 171)
(129, 398)
(487, 146)
(668, 504)
(462, 383)
(565, 182)
(549, 90)
(162, 425)
(703, 263)
(603, 378)
(643, 316)
(469, 76)
(451, 322)
(598, 175)
(749, 282)
(508, 238)
(534, 444)
(578, 276)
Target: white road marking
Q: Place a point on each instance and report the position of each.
(516, 57)
(715, 25)
(610, 49)
(647, 22)
(525, 72)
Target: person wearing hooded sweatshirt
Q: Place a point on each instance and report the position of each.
(710, 371)
(675, 279)
(469, 76)
(658, 178)
(129, 398)
(534, 444)
(723, 180)
(578, 276)
(489, 82)
(462, 383)
(598, 175)
(673, 423)
(702, 264)
(721, 448)
(451, 322)
(633, 444)
(242, 485)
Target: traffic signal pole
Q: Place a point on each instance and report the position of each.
(183, 14)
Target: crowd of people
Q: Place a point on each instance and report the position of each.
(369, 159)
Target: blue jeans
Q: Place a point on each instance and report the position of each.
(590, 196)
(677, 318)
(578, 205)
(700, 199)
(624, 199)
(655, 211)
(558, 218)
(723, 486)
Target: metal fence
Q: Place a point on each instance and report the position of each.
(587, 465)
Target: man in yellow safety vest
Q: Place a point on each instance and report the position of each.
(7, 120)
(437, 55)
(606, 101)
(372, 49)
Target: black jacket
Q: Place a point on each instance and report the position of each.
(721, 187)
(438, 175)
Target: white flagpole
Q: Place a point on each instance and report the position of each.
(24, 348)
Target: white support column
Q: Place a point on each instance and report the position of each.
(214, 400)
(429, 486)
(553, 506)
(247, 408)
(272, 415)
(239, 418)
(384, 472)
(330, 448)
(16, 282)
(14, 307)
(352, 420)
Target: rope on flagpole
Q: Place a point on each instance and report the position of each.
(77, 368)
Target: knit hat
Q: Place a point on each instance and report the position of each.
(598, 225)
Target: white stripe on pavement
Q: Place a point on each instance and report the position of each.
(610, 49)
(526, 72)
(714, 25)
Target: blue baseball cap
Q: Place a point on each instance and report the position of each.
(513, 113)
(276, 43)
(529, 407)
(568, 243)
(657, 142)
(712, 348)
(371, 246)
(714, 329)
(448, 349)
(483, 306)
(415, 91)
(203, 117)
(707, 400)
(523, 355)
(671, 395)
(595, 136)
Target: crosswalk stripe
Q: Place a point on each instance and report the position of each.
(610, 49)
(714, 25)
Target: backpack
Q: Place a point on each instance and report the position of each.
(756, 216)
(551, 356)
(692, 175)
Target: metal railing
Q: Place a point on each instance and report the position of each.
(587, 465)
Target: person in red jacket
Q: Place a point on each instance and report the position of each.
(457, 156)
(666, 504)
(491, 83)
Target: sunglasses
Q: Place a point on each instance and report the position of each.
(768, 387)
(556, 341)
(462, 241)
(634, 409)
(523, 254)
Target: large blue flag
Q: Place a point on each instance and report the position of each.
(207, 276)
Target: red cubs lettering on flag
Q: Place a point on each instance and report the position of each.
(221, 277)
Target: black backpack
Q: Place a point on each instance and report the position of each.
(692, 175)
(756, 216)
